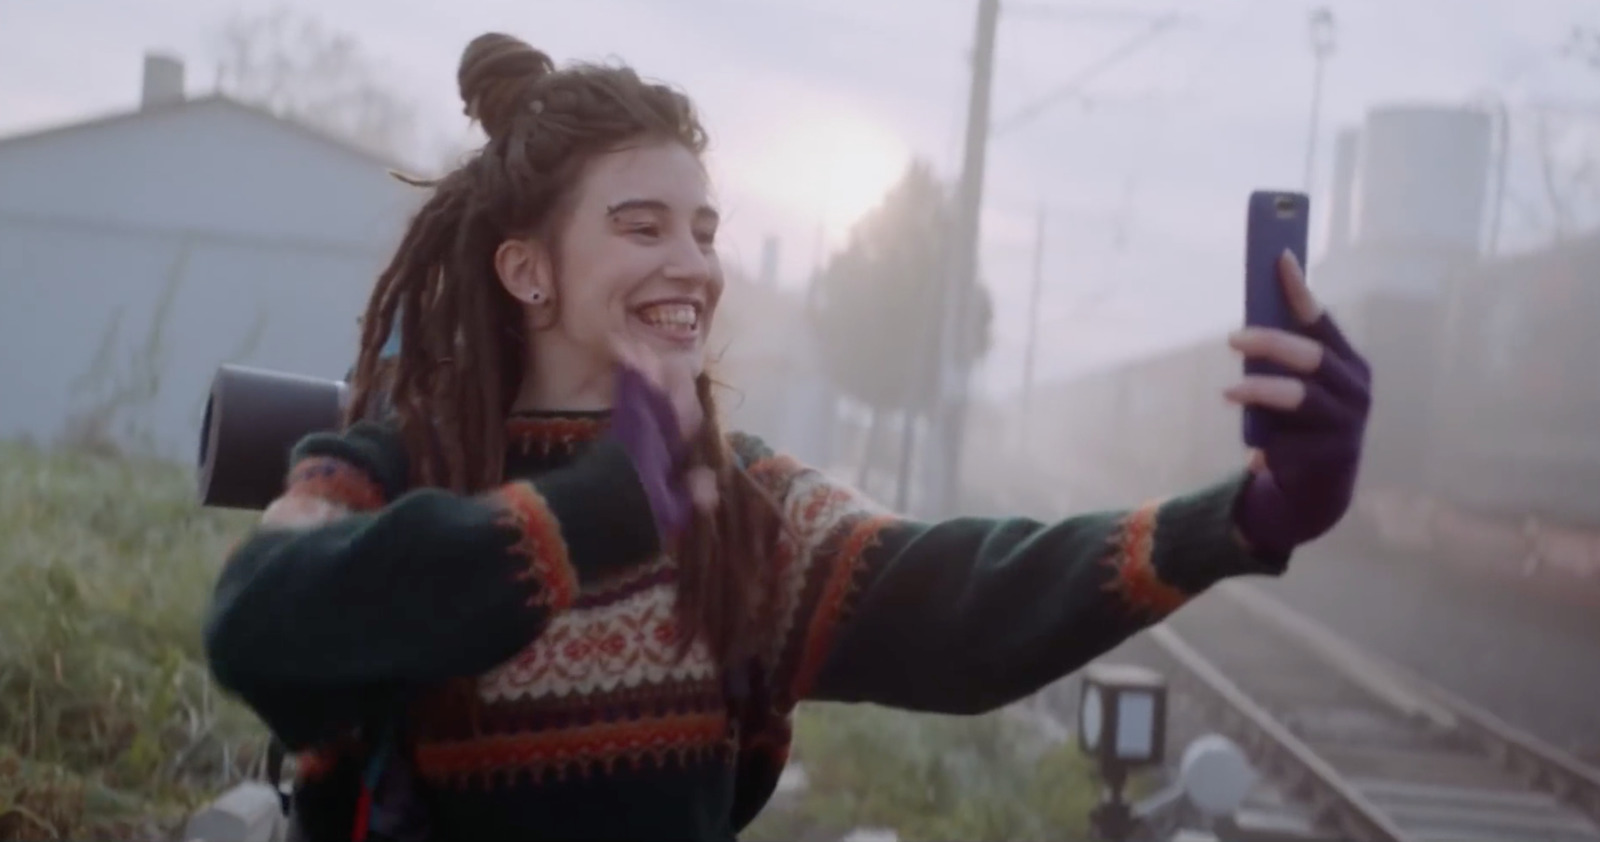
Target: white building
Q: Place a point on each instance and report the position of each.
(141, 250)
(258, 238)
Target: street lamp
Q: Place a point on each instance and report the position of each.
(1321, 32)
(1122, 723)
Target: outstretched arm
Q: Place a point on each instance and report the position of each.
(322, 627)
(969, 614)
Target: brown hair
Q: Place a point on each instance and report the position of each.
(463, 342)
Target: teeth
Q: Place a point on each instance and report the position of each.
(677, 316)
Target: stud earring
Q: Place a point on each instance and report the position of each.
(536, 297)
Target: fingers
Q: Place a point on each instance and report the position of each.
(1284, 394)
(702, 484)
(648, 408)
(1256, 461)
(299, 511)
(1304, 305)
(678, 381)
(1320, 351)
(1345, 378)
(1314, 319)
(1324, 330)
(1311, 404)
(1291, 351)
(672, 379)
(1315, 322)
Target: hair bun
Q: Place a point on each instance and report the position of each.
(497, 79)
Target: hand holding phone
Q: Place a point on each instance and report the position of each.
(1277, 222)
(1306, 392)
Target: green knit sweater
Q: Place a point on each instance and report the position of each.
(534, 701)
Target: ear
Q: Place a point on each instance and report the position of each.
(525, 270)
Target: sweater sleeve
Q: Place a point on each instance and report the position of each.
(321, 629)
(967, 615)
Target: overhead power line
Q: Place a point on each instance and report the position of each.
(1073, 88)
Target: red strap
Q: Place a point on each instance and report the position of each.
(363, 809)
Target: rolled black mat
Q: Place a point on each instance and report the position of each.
(253, 419)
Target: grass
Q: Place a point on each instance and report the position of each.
(930, 778)
(109, 725)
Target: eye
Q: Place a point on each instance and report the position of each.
(644, 229)
(706, 237)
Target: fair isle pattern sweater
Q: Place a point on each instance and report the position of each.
(523, 641)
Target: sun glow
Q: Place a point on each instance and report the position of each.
(828, 167)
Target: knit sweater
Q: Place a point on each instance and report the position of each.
(536, 699)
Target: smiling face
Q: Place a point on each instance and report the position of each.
(634, 262)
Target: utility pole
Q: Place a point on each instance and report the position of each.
(950, 415)
(1321, 30)
(1033, 321)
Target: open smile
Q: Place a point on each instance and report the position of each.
(676, 320)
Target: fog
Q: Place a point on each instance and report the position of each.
(185, 184)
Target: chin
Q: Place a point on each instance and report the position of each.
(684, 339)
(693, 351)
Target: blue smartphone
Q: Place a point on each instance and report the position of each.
(1278, 220)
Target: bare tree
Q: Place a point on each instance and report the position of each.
(1568, 174)
(296, 67)
(1583, 45)
(875, 308)
(1564, 139)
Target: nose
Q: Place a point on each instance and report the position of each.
(688, 260)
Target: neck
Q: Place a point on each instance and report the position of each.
(562, 377)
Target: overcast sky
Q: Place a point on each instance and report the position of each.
(816, 105)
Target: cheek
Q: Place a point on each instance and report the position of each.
(714, 288)
(590, 317)
(596, 305)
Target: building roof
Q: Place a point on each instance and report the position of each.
(210, 101)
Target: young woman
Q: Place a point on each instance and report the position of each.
(542, 595)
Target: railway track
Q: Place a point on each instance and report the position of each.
(1359, 749)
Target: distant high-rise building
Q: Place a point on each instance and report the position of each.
(1423, 177)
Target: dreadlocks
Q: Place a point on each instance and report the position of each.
(463, 339)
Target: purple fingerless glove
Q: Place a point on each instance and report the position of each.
(645, 424)
(1312, 454)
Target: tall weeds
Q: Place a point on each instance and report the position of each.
(109, 724)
